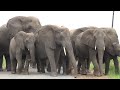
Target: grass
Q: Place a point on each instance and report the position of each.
(111, 74)
(112, 71)
(4, 63)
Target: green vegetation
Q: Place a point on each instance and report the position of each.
(112, 71)
(111, 74)
(4, 64)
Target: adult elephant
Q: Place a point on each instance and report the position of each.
(4, 47)
(49, 40)
(22, 44)
(112, 49)
(22, 23)
(88, 44)
(7, 32)
(63, 61)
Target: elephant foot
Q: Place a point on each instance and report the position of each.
(88, 71)
(75, 76)
(54, 74)
(117, 72)
(1, 69)
(105, 73)
(43, 71)
(96, 73)
(83, 72)
(25, 73)
(8, 70)
(13, 72)
(19, 72)
(78, 71)
(64, 73)
(101, 74)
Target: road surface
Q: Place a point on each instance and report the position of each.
(35, 75)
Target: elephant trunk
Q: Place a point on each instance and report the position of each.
(32, 54)
(100, 50)
(71, 56)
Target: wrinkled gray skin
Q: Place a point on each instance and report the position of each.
(74, 33)
(22, 44)
(22, 23)
(88, 44)
(49, 40)
(64, 60)
(112, 49)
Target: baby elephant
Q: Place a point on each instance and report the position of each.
(22, 49)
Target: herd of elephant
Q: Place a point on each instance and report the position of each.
(24, 41)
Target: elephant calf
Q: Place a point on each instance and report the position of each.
(22, 47)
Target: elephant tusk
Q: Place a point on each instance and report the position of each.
(104, 48)
(28, 49)
(64, 50)
(95, 47)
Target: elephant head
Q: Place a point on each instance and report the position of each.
(95, 39)
(111, 41)
(22, 23)
(26, 41)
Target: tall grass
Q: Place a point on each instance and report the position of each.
(4, 63)
(111, 74)
(112, 70)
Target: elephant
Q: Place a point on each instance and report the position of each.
(22, 23)
(8, 31)
(22, 45)
(112, 49)
(4, 47)
(89, 44)
(64, 58)
(49, 41)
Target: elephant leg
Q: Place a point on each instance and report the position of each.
(43, 66)
(59, 66)
(38, 63)
(92, 57)
(51, 57)
(19, 60)
(88, 66)
(26, 69)
(49, 68)
(26, 63)
(8, 63)
(116, 64)
(13, 66)
(1, 62)
(57, 56)
(79, 67)
(83, 68)
(64, 64)
(107, 63)
(38, 66)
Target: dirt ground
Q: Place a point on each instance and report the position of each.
(35, 75)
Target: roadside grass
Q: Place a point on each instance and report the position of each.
(111, 74)
(4, 63)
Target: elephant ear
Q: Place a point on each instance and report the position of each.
(50, 39)
(19, 39)
(88, 39)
